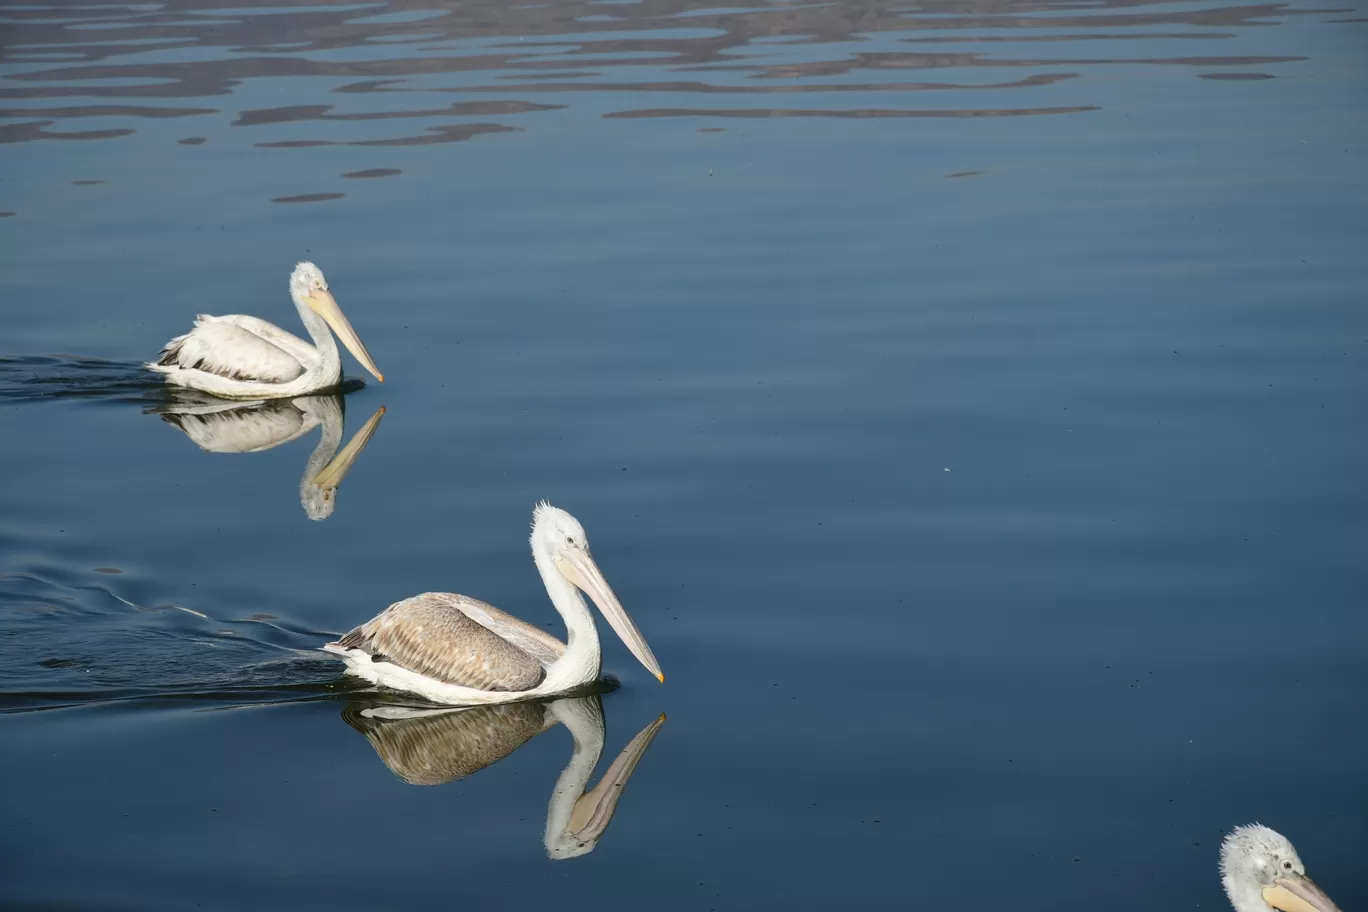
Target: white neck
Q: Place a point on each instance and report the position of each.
(582, 660)
(327, 411)
(584, 718)
(1245, 893)
(329, 367)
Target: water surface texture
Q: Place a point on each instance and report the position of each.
(965, 398)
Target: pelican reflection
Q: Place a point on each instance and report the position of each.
(225, 426)
(436, 746)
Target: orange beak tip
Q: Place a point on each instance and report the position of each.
(662, 677)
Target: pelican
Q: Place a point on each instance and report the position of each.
(1262, 872)
(241, 357)
(437, 746)
(250, 427)
(451, 648)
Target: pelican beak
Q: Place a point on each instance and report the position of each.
(325, 305)
(1298, 893)
(331, 475)
(594, 809)
(578, 567)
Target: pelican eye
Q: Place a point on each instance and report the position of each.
(1287, 865)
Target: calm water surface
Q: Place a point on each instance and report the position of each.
(966, 398)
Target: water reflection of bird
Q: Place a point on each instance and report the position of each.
(241, 357)
(436, 746)
(236, 427)
(1262, 872)
(455, 649)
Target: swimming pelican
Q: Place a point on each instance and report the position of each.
(436, 746)
(455, 649)
(241, 357)
(250, 427)
(1262, 872)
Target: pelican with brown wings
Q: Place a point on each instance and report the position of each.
(454, 649)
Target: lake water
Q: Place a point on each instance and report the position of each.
(965, 398)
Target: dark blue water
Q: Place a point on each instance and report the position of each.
(965, 399)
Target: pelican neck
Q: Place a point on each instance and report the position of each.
(329, 359)
(582, 652)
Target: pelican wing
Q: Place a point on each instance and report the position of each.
(433, 748)
(292, 345)
(245, 429)
(439, 635)
(534, 641)
(219, 346)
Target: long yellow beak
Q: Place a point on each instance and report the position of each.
(594, 809)
(325, 305)
(578, 567)
(1298, 893)
(331, 475)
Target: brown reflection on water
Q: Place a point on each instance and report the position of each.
(103, 111)
(308, 198)
(205, 50)
(299, 113)
(443, 134)
(24, 132)
(886, 61)
(1041, 79)
(858, 112)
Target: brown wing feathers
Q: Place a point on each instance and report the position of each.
(429, 635)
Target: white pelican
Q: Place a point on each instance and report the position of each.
(436, 746)
(452, 648)
(241, 357)
(1261, 872)
(250, 427)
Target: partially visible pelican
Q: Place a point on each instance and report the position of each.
(436, 746)
(250, 427)
(1261, 872)
(241, 357)
(455, 649)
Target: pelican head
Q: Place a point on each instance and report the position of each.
(310, 289)
(559, 536)
(1262, 872)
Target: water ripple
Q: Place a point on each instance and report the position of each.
(111, 648)
(179, 51)
(45, 377)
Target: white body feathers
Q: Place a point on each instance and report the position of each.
(243, 357)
